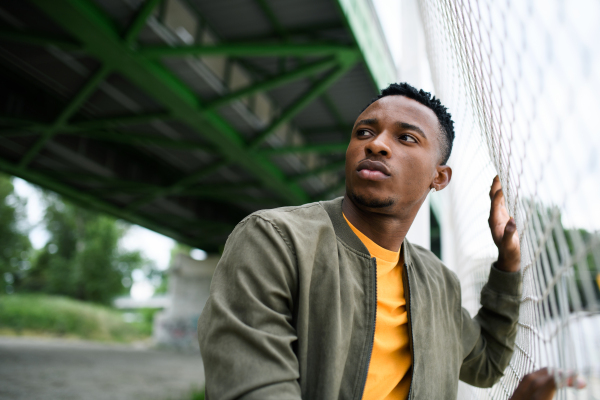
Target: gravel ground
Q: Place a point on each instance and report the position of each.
(48, 369)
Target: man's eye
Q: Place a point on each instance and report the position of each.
(408, 138)
(362, 133)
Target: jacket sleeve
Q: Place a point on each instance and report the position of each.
(488, 339)
(245, 330)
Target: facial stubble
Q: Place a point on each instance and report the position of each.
(371, 203)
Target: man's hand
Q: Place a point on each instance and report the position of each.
(541, 385)
(504, 231)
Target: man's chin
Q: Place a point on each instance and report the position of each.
(372, 202)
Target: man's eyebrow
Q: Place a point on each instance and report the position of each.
(407, 126)
(368, 121)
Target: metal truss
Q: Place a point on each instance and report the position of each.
(120, 52)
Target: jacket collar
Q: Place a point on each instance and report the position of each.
(344, 232)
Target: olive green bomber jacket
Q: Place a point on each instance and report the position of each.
(291, 314)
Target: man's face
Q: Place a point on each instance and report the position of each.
(393, 156)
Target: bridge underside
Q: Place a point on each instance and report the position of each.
(183, 116)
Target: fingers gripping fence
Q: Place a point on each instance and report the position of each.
(521, 79)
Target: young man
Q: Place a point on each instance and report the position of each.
(329, 300)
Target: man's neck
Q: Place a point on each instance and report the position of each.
(387, 230)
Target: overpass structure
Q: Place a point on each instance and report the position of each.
(184, 116)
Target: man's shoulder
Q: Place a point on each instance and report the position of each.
(300, 227)
(290, 215)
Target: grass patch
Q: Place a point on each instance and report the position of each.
(194, 394)
(65, 317)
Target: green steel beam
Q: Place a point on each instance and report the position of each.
(42, 39)
(363, 23)
(179, 185)
(309, 148)
(274, 82)
(248, 50)
(333, 110)
(284, 35)
(140, 20)
(85, 21)
(122, 137)
(304, 100)
(87, 200)
(127, 186)
(326, 168)
(102, 123)
(272, 18)
(83, 94)
(140, 139)
(29, 128)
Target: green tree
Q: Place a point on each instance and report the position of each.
(82, 259)
(15, 248)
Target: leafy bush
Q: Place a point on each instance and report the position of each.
(56, 315)
(82, 259)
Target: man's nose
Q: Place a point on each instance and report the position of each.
(378, 145)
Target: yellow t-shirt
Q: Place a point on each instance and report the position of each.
(389, 372)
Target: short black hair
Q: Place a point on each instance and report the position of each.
(425, 98)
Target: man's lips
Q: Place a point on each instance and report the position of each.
(373, 170)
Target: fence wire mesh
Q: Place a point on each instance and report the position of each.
(522, 80)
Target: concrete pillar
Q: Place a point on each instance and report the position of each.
(189, 287)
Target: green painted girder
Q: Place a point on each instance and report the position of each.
(301, 72)
(176, 187)
(109, 122)
(360, 16)
(112, 184)
(284, 34)
(85, 21)
(140, 20)
(114, 136)
(305, 99)
(272, 18)
(84, 93)
(20, 126)
(140, 139)
(249, 50)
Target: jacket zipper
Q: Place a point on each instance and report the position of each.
(412, 347)
(365, 374)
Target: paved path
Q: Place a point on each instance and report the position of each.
(48, 369)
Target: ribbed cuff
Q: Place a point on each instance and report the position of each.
(509, 283)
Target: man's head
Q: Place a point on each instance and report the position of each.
(398, 150)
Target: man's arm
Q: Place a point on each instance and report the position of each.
(488, 339)
(245, 331)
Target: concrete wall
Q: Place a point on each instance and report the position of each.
(189, 287)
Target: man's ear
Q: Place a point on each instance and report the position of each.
(442, 177)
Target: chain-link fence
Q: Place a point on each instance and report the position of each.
(522, 80)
